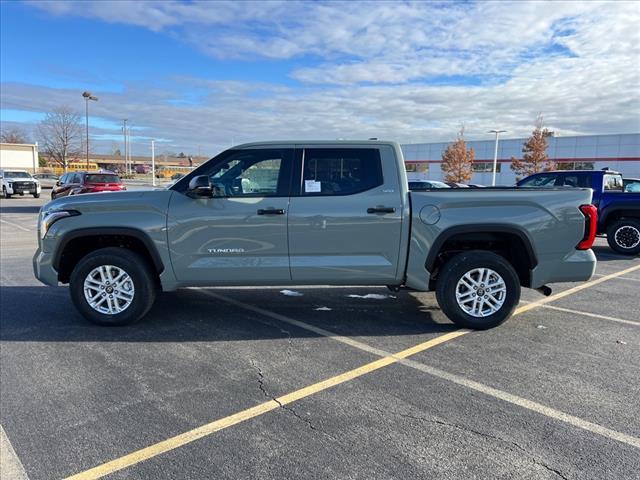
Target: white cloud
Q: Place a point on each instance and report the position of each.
(368, 69)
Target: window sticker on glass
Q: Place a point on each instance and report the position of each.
(311, 186)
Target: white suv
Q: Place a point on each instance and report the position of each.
(19, 182)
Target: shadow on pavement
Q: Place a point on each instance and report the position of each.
(606, 254)
(46, 314)
(20, 209)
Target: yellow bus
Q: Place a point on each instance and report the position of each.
(76, 167)
(169, 171)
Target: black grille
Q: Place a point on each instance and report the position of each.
(24, 185)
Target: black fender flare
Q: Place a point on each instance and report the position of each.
(123, 231)
(632, 211)
(446, 234)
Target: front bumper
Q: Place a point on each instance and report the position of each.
(43, 268)
(577, 266)
(23, 189)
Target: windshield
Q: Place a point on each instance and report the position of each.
(544, 180)
(427, 185)
(17, 175)
(102, 178)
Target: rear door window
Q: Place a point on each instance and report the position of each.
(612, 183)
(340, 171)
(102, 178)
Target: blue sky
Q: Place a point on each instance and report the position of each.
(203, 75)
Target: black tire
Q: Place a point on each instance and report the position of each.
(138, 270)
(452, 273)
(36, 195)
(53, 197)
(623, 236)
(5, 194)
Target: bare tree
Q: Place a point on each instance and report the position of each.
(534, 158)
(13, 135)
(457, 161)
(60, 134)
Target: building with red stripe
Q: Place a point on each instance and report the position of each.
(619, 152)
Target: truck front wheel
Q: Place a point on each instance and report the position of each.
(623, 236)
(112, 286)
(478, 289)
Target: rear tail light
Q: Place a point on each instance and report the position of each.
(590, 226)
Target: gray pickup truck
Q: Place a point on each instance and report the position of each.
(314, 213)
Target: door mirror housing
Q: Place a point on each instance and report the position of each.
(200, 186)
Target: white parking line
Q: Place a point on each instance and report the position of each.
(10, 465)
(15, 225)
(457, 379)
(617, 278)
(592, 315)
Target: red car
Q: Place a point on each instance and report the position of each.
(75, 183)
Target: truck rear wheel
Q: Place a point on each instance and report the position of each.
(623, 236)
(112, 286)
(478, 289)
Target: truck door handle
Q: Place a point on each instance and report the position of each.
(271, 211)
(381, 210)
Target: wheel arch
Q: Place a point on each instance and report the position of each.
(510, 241)
(612, 214)
(76, 244)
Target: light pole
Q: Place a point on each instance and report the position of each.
(87, 96)
(495, 156)
(153, 163)
(124, 134)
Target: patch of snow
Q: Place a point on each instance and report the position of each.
(291, 293)
(374, 296)
(323, 309)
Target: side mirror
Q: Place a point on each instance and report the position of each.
(200, 186)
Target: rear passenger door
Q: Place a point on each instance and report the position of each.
(345, 216)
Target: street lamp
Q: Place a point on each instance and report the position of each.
(495, 156)
(87, 96)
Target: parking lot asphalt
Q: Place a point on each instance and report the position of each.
(251, 383)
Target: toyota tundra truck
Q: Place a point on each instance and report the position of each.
(315, 213)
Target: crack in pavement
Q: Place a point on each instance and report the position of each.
(283, 330)
(534, 460)
(286, 407)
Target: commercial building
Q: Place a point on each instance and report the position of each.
(620, 152)
(19, 156)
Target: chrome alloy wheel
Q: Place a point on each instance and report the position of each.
(627, 236)
(108, 289)
(481, 292)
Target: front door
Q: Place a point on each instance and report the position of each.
(239, 236)
(345, 219)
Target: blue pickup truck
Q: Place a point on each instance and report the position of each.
(618, 210)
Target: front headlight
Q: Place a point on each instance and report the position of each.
(50, 217)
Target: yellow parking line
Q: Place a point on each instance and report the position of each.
(197, 433)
